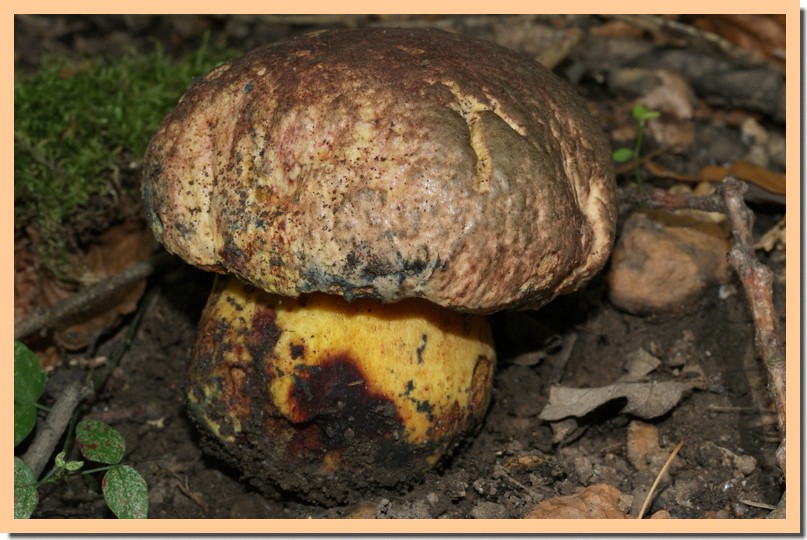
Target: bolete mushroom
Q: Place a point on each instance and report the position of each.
(373, 193)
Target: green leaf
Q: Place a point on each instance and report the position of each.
(24, 420)
(125, 492)
(25, 495)
(100, 442)
(641, 113)
(29, 377)
(71, 466)
(638, 111)
(621, 155)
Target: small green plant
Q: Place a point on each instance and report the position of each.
(622, 155)
(124, 489)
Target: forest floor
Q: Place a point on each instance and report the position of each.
(726, 466)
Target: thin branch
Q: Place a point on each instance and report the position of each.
(89, 297)
(660, 474)
(51, 430)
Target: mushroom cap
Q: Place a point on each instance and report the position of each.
(386, 164)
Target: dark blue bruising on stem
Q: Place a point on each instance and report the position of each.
(422, 348)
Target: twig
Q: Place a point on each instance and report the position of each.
(756, 504)
(89, 297)
(738, 410)
(499, 471)
(562, 358)
(51, 430)
(660, 474)
(756, 279)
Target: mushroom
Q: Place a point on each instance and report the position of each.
(371, 195)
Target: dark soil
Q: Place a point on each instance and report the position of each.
(512, 463)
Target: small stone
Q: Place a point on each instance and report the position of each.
(661, 514)
(662, 263)
(489, 510)
(455, 485)
(363, 510)
(584, 468)
(745, 464)
(643, 447)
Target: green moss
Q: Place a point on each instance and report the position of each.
(80, 128)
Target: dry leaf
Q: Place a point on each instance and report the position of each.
(762, 177)
(644, 399)
(116, 249)
(26, 282)
(755, 33)
(673, 96)
(600, 501)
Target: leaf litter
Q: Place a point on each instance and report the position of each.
(645, 399)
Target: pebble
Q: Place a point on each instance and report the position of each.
(643, 447)
(489, 510)
(662, 263)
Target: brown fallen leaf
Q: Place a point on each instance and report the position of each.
(673, 97)
(116, 249)
(761, 177)
(645, 399)
(599, 501)
(744, 170)
(26, 281)
(759, 34)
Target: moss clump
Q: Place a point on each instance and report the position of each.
(80, 130)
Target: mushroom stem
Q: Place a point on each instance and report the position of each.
(326, 398)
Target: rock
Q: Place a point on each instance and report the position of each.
(418, 509)
(643, 448)
(662, 262)
(363, 510)
(489, 510)
(711, 455)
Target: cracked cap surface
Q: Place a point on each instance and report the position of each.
(386, 164)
